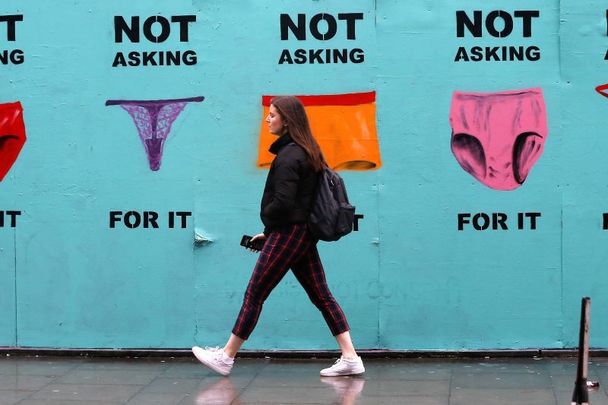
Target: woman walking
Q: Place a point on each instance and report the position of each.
(288, 243)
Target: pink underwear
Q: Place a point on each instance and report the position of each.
(12, 135)
(153, 119)
(497, 137)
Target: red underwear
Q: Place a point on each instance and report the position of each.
(12, 135)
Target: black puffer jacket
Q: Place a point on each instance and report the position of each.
(290, 186)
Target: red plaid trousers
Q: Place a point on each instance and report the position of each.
(293, 247)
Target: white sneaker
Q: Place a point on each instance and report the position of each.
(344, 366)
(214, 358)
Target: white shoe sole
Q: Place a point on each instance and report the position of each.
(197, 351)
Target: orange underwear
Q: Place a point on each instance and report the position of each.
(12, 135)
(344, 125)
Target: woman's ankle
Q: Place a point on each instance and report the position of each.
(350, 356)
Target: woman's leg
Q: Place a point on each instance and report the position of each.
(309, 272)
(279, 253)
(233, 345)
(346, 345)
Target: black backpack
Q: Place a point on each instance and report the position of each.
(331, 215)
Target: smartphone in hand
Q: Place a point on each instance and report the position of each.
(256, 245)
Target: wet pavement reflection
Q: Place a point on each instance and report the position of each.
(183, 381)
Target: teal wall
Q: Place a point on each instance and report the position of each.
(408, 279)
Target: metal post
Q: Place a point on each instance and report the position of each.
(580, 396)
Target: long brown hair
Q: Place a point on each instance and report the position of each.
(293, 114)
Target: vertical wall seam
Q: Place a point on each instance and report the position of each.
(561, 265)
(15, 287)
(559, 39)
(379, 246)
(194, 279)
(375, 14)
(562, 272)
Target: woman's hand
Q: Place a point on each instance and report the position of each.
(260, 236)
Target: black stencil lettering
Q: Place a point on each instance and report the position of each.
(164, 32)
(13, 218)
(285, 57)
(13, 215)
(462, 21)
(184, 216)
(190, 58)
(356, 222)
(492, 53)
(132, 219)
(533, 217)
(316, 55)
(173, 58)
(526, 16)
(119, 60)
(499, 219)
(533, 53)
(477, 54)
(150, 218)
(351, 19)
(461, 55)
(148, 59)
(134, 59)
(171, 219)
(491, 26)
(183, 21)
(463, 219)
(357, 55)
(299, 30)
(340, 55)
(300, 56)
(520, 220)
(482, 218)
(15, 57)
(605, 227)
(121, 27)
(115, 216)
(332, 26)
(11, 22)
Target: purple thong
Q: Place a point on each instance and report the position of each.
(153, 119)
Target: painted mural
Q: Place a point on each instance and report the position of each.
(12, 135)
(498, 137)
(98, 255)
(153, 120)
(344, 125)
(602, 89)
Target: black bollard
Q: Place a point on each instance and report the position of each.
(580, 396)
